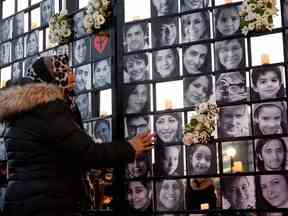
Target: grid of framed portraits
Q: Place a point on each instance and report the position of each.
(178, 55)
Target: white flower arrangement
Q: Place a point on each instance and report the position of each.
(98, 12)
(60, 26)
(257, 15)
(202, 125)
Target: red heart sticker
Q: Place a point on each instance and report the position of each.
(101, 42)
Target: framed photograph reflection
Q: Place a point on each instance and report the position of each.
(270, 118)
(78, 27)
(102, 130)
(165, 64)
(231, 87)
(268, 83)
(169, 195)
(169, 160)
(136, 67)
(227, 21)
(136, 36)
(197, 89)
(234, 121)
(17, 70)
(83, 78)
(18, 24)
(238, 192)
(81, 51)
(136, 124)
(141, 167)
(168, 127)
(201, 159)
(237, 156)
(6, 29)
(138, 98)
(28, 62)
(83, 102)
(32, 43)
(162, 8)
(271, 154)
(102, 73)
(3, 153)
(143, 205)
(197, 59)
(47, 10)
(272, 191)
(193, 4)
(165, 32)
(101, 45)
(229, 54)
(5, 53)
(18, 49)
(202, 194)
(195, 26)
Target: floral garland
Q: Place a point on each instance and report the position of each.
(60, 26)
(202, 125)
(98, 12)
(257, 15)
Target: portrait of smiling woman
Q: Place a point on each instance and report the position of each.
(168, 127)
(165, 63)
(197, 59)
(32, 43)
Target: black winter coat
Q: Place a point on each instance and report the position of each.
(47, 151)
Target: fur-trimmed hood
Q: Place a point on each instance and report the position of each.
(16, 99)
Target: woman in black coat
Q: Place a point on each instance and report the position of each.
(47, 149)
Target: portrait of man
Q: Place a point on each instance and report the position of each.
(18, 24)
(136, 124)
(83, 78)
(102, 73)
(78, 26)
(83, 103)
(136, 37)
(81, 51)
(136, 67)
(47, 10)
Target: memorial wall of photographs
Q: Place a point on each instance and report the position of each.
(24, 38)
(178, 54)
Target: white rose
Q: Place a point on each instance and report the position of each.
(66, 32)
(100, 20)
(63, 12)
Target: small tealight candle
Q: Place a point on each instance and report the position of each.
(204, 206)
(265, 58)
(168, 104)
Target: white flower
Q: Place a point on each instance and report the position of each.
(100, 20)
(64, 23)
(203, 107)
(88, 21)
(66, 32)
(63, 12)
(251, 26)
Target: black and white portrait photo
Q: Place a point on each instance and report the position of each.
(272, 191)
(88, 128)
(197, 59)
(201, 159)
(5, 53)
(141, 167)
(32, 43)
(139, 196)
(17, 70)
(165, 64)
(81, 51)
(169, 160)
(3, 153)
(238, 192)
(169, 194)
(78, 26)
(168, 127)
(267, 83)
(286, 12)
(229, 54)
(234, 121)
(163, 7)
(83, 103)
(197, 89)
(83, 78)
(28, 62)
(18, 49)
(227, 21)
(47, 10)
(231, 87)
(271, 154)
(187, 5)
(102, 130)
(18, 24)
(165, 32)
(195, 26)
(102, 73)
(6, 29)
(136, 67)
(136, 36)
(270, 118)
(64, 49)
(138, 98)
(135, 125)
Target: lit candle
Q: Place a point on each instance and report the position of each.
(204, 206)
(237, 166)
(168, 104)
(227, 1)
(265, 58)
(103, 114)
